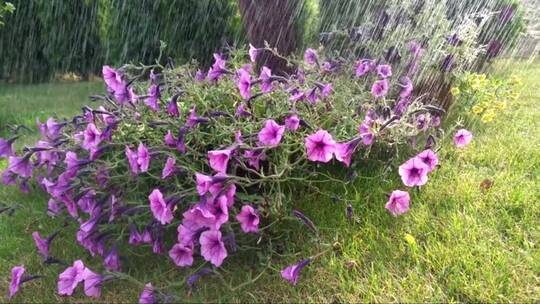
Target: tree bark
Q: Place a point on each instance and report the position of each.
(271, 21)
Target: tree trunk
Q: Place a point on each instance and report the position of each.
(271, 21)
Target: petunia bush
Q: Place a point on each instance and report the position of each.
(193, 164)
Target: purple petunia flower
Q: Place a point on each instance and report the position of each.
(254, 157)
(363, 67)
(406, 87)
(17, 273)
(212, 247)
(42, 245)
(248, 219)
(112, 260)
(169, 168)
(143, 157)
(253, 53)
(133, 161)
(181, 255)
(311, 95)
(153, 96)
(413, 172)
(241, 111)
(199, 216)
(297, 95)
(172, 108)
(6, 147)
(159, 208)
(20, 166)
(320, 146)
(169, 139)
(398, 203)
(379, 88)
(344, 151)
(147, 295)
(271, 134)
(384, 70)
(200, 76)
(135, 237)
(266, 80)
(326, 90)
(218, 69)
(429, 158)
(310, 57)
(292, 122)
(203, 183)
(462, 138)
(244, 83)
(92, 137)
(218, 159)
(365, 131)
(291, 272)
(70, 278)
(92, 283)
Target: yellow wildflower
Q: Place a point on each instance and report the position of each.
(477, 109)
(455, 91)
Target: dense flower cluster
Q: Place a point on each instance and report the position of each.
(485, 97)
(206, 156)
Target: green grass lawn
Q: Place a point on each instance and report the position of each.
(470, 245)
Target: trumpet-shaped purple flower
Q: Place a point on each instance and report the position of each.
(320, 146)
(172, 108)
(17, 273)
(344, 151)
(271, 134)
(363, 67)
(429, 158)
(212, 247)
(326, 90)
(159, 208)
(379, 88)
(153, 97)
(169, 139)
(70, 278)
(414, 172)
(92, 283)
(193, 119)
(169, 168)
(253, 53)
(292, 122)
(254, 157)
(310, 57)
(6, 148)
(218, 68)
(92, 137)
(203, 183)
(248, 219)
(462, 138)
(135, 237)
(406, 87)
(266, 80)
(42, 245)
(365, 131)
(181, 255)
(297, 95)
(244, 83)
(311, 95)
(143, 157)
(112, 260)
(218, 159)
(199, 216)
(291, 273)
(398, 203)
(384, 70)
(147, 295)
(241, 111)
(112, 78)
(133, 161)
(20, 166)
(200, 76)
